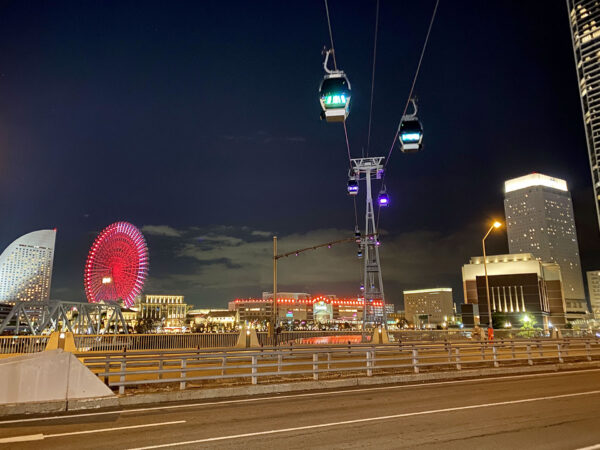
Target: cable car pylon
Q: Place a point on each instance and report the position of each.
(365, 169)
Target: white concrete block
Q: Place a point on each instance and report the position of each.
(47, 376)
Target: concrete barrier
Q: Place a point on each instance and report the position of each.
(247, 338)
(50, 376)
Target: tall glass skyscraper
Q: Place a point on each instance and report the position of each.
(540, 221)
(584, 20)
(26, 267)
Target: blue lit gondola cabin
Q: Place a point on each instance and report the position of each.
(352, 187)
(335, 97)
(411, 135)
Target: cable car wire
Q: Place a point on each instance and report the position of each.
(373, 75)
(408, 100)
(410, 93)
(330, 34)
(345, 128)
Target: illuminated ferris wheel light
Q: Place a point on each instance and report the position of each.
(117, 265)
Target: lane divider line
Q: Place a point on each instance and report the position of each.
(39, 437)
(368, 419)
(288, 396)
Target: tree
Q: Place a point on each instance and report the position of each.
(144, 326)
(499, 320)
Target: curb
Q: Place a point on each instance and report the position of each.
(265, 389)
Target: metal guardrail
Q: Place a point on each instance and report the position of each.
(107, 342)
(138, 342)
(22, 344)
(185, 367)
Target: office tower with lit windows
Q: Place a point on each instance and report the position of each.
(26, 267)
(540, 221)
(584, 22)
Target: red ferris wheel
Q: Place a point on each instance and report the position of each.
(117, 265)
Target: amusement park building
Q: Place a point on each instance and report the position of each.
(26, 267)
(290, 308)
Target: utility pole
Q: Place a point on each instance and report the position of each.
(274, 321)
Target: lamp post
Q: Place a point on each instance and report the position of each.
(487, 284)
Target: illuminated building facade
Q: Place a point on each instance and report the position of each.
(593, 278)
(428, 306)
(317, 309)
(540, 221)
(519, 285)
(26, 267)
(213, 318)
(169, 311)
(584, 22)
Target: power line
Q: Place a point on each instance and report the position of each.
(315, 247)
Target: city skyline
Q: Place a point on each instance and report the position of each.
(193, 162)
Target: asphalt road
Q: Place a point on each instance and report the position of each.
(550, 411)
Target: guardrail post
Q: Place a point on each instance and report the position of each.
(529, 360)
(160, 368)
(482, 350)
(449, 347)
(315, 366)
(107, 369)
(223, 364)
(122, 377)
(540, 348)
(279, 361)
(495, 356)
(588, 350)
(182, 384)
(457, 356)
(369, 364)
(514, 355)
(560, 358)
(328, 360)
(254, 369)
(415, 360)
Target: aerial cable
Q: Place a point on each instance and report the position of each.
(387, 160)
(409, 99)
(373, 75)
(330, 34)
(345, 129)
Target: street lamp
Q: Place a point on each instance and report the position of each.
(495, 225)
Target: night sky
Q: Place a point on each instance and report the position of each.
(199, 123)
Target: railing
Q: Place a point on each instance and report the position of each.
(22, 344)
(196, 368)
(285, 337)
(120, 342)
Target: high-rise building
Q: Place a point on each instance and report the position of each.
(593, 278)
(584, 20)
(540, 221)
(428, 306)
(26, 267)
(520, 286)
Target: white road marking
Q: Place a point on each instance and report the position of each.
(368, 419)
(309, 394)
(591, 447)
(39, 437)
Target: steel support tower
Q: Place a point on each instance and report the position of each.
(372, 283)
